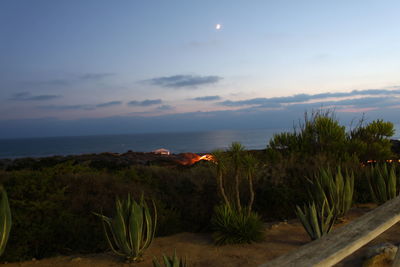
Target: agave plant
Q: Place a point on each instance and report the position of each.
(132, 229)
(316, 221)
(5, 219)
(382, 183)
(333, 188)
(173, 261)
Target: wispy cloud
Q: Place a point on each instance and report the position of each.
(94, 76)
(71, 80)
(145, 103)
(26, 96)
(68, 107)
(182, 81)
(207, 98)
(165, 108)
(298, 98)
(81, 106)
(109, 104)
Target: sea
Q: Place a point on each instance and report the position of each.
(196, 142)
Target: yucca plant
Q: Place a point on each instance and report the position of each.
(173, 261)
(132, 229)
(335, 188)
(5, 219)
(235, 227)
(317, 221)
(382, 183)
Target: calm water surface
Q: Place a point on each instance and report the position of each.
(175, 142)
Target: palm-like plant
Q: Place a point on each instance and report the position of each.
(132, 229)
(236, 152)
(234, 222)
(5, 219)
(250, 166)
(221, 164)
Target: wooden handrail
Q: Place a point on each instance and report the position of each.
(338, 244)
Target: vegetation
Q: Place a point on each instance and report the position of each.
(173, 261)
(321, 133)
(235, 222)
(52, 202)
(132, 229)
(240, 165)
(334, 189)
(382, 183)
(236, 227)
(317, 221)
(5, 219)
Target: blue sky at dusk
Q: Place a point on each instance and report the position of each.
(106, 67)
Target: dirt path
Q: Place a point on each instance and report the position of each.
(200, 251)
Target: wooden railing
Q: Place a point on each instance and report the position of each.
(342, 242)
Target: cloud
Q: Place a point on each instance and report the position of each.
(94, 76)
(145, 103)
(72, 80)
(298, 98)
(207, 98)
(181, 81)
(165, 108)
(109, 104)
(68, 107)
(26, 96)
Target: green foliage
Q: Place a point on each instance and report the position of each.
(333, 188)
(173, 261)
(319, 133)
(371, 142)
(132, 229)
(317, 221)
(233, 168)
(5, 219)
(235, 227)
(382, 183)
(52, 207)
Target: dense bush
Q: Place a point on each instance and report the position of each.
(52, 207)
(235, 227)
(321, 133)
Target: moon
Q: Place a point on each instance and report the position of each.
(218, 26)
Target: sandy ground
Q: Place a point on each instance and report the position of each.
(199, 250)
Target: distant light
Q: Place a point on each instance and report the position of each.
(218, 27)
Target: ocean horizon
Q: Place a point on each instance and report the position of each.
(179, 142)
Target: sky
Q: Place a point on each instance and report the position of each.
(108, 67)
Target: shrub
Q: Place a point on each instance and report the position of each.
(173, 261)
(317, 221)
(382, 183)
(234, 227)
(5, 219)
(371, 142)
(52, 207)
(132, 229)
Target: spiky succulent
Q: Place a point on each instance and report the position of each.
(132, 229)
